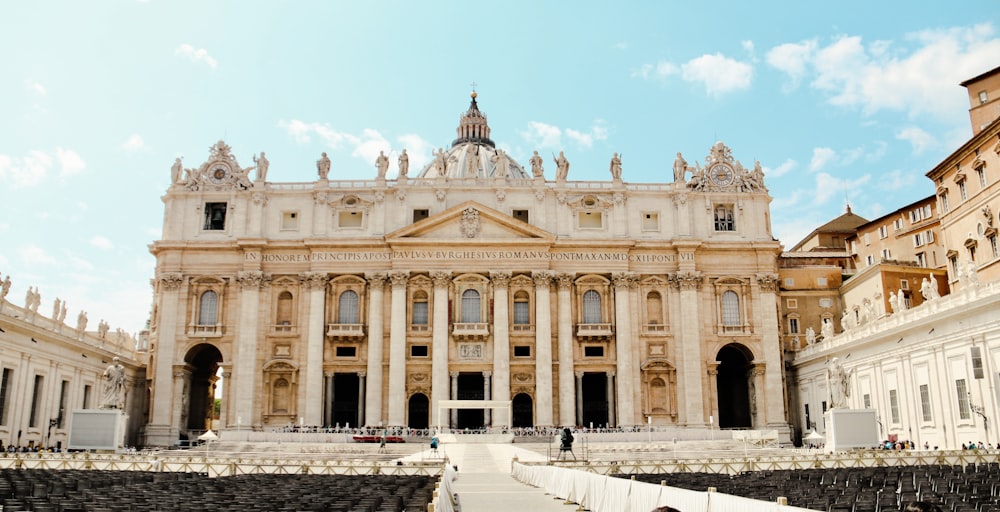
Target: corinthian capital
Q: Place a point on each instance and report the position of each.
(315, 280)
(687, 280)
(440, 278)
(399, 277)
(624, 279)
(542, 278)
(376, 279)
(171, 280)
(768, 282)
(248, 279)
(564, 280)
(500, 279)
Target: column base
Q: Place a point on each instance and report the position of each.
(161, 435)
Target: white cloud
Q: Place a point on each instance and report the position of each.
(70, 162)
(793, 59)
(621, 45)
(659, 71)
(301, 130)
(417, 149)
(719, 74)
(919, 139)
(828, 186)
(586, 140)
(34, 255)
(780, 170)
(196, 54)
(101, 242)
(35, 87)
(365, 146)
(899, 179)
(133, 143)
(543, 135)
(27, 171)
(821, 157)
(369, 145)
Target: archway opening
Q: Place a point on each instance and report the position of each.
(345, 399)
(470, 387)
(204, 361)
(419, 411)
(523, 414)
(595, 399)
(733, 387)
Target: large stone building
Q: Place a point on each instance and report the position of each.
(370, 302)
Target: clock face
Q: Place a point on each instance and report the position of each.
(721, 174)
(218, 175)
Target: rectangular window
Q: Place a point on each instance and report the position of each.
(886, 255)
(36, 398)
(897, 224)
(993, 246)
(593, 351)
(347, 351)
(650, 221)
(86, 397)
(5, 394)
(350, 219)
(420, 313)
(870, 259)
(929, 236)
(522, 313)
(867, 239)
(963, 399)
(826, 303)
(921, 260)
(944, 202)
(591, 220)
(977, 363)
(894, 405)
(981, 172)
(925, 402)
(918, 239)
(792, 303)
(521, 215)
(883, 232)
(962, 192)
(724, 218)
(420, 214)
(63, 391)
(793, 325)
(821, 281)
(418, 350)
(289, 221)
(215, 216)
(867, 400)
(982, 97)
(789, 282)
(904, 284)
(522, 351)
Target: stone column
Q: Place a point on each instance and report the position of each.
(224, 413)
(361, 399)
(624, 340)
(181, 385)
(162, 431)
(691, 368)
(439, 341)
(373, 394)
(543, 348)
(486, 396)
(713, 394)
(454, 396)
(246, 368)
(579, 399)
(773, 403)
(612, 417)
(501, 345)
(397, 349)
(567, 402)
(328, 399)
(757, 395)
(316, 283)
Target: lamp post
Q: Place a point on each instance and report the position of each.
(981, 411)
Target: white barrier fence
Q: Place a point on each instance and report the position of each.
(602, 493)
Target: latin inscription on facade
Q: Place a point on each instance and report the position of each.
(460, 255)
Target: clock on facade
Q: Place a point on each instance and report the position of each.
(721, 174)
(218, 175)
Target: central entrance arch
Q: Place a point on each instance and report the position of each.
(203, 361)
(523, 416)
(419, 417)
(733, 386)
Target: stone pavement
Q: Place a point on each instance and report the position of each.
(484, 483)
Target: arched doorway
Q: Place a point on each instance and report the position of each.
(595, 400)
(470, 387)
(419, 411)
(523, 414)
(733, 386)
(204, 361)
(344, 402)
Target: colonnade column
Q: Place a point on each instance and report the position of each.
(691, 394)
(501, 346)
(774, 405)
(227, 375)
(161, 423)
(397, 349)
(373, 393)
(361, 399)
(713, 393)
(579, 399)
(454, 396)
(328, 399)
(181, 385)
(486, 396)
(612, 418)
(316, 284)
(757, 394)
(567, 402)
(543, 348)
(439, 345)
(624, 281)
(246, 367)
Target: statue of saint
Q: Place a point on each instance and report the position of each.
(971, 273)
(502, 164)
(323, 166)
(441, 162)
(471, 163)
(262, 165)
(810, 336)
(404, 164)
(5, 288)
(81, 322)
(827, 329)
(176, 170)
(382, 164)
(839, 382)
(893, 302)
(114, 386)
(536, 166)
(56, 306)
(616, 167)
(562, 166)
(102, 329)
(680, 168)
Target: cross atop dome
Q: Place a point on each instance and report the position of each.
(472, 127)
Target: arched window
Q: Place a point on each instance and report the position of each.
(522, 313)
(654, 308)
(591, 307)
(347, 310)
(279, 397)
(658, 396)
(284, 316)
(208, 308)
(730, 308)
(470, 307)
(420, 308)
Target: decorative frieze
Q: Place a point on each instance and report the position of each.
(171, 280)
(768, 282)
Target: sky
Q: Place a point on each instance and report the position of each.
(841, 102)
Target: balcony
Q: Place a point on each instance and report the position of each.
(654, 329)
(345, 331)
(420, 328)
(205, 331)
(470, 331)
(522, 329)
(284, 329)
(594, 331)
(728, 330)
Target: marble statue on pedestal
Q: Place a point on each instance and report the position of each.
(114, 386)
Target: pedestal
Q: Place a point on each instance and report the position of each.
(850, 428)
(97, 429)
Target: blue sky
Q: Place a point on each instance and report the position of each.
(838, 100)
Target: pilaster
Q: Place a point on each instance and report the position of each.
(543, 348)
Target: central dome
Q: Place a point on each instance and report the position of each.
(473, 154)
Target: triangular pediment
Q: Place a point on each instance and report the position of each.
(472, 222)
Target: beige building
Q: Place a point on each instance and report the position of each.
(984, 99)
(368, 302)
(49, 369)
